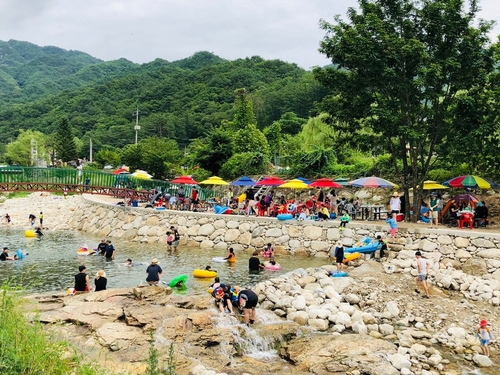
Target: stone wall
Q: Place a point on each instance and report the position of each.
(456, 247)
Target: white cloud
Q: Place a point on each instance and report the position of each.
(173, 29)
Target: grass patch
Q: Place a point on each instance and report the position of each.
(18, 194)
(25, 347)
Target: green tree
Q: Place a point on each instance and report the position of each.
(19, 151)
(250, 139)
(213, 151)
(65, 143)
(246, 163)
(105, 157)
(398, 67)
(243, 111)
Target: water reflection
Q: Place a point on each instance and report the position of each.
(53, 261)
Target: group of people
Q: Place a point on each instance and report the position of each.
(227, 298)
(5, 255)
(82, 281)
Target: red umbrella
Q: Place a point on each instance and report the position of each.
(184, 180)
(325, 183)
(271, 181)
(120, 171)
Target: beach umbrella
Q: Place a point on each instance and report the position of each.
(326, 183)
(184, 180)
(243, 181)
(304, 180)
(121, 171)
(214, 180)
(270, 181)
(372, 182)
(470, 182)
(342, 181)
(142, 175)
(433, 185)
(294, 184)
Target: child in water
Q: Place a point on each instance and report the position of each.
(484, 335)
(170, 240)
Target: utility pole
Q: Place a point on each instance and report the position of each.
(136, 127)
(90, 159)
(34, 152)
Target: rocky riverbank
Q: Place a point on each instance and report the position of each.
(368, 323)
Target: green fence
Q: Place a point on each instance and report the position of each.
(12, 174)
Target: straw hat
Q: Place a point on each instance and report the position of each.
(101, 273)
(154, 261)
(395, 194)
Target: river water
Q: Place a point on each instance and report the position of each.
(53, 261)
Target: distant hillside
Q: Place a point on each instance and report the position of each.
(182, 100)
(28, 72)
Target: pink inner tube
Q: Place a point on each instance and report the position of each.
(275, 267)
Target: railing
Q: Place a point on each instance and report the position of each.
(99, 181)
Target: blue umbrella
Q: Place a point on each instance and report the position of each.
(372, 182)
(304, 180)
(243, 181)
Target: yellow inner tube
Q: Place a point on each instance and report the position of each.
(204, 273)
(30, 233)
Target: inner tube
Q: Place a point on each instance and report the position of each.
(84, 251)
(219, 259)
(284, 217)
(30, 233)
(339, 274)
(20, 254)
(273, 267)
(176, 279)
(204, 273)
(351, 256)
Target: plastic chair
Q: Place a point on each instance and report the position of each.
(466, 218)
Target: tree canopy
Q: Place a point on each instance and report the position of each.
(406, 69)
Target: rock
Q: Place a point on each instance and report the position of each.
(426, 245)
(419, 349)
(313, 232)
(299, 303)
(461, 254)
(274, 232)
(399, 361)
(461, 242)
(118, 336)
(386, 329)
(434, 360)
(352, 299)
(392, 308)
(343, 319)
(232, 235)
(444, 240)
(482, 360)
(206, 230)
(475, 267)
(318, 324)
(301, 318)
(489, 253)
(484, 243)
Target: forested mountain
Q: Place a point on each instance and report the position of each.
(29, 72)
(182, 100)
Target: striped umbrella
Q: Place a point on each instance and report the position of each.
(471, 182)
(372, 182)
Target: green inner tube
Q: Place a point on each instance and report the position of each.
(176, 279)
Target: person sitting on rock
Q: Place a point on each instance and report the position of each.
(344, 219)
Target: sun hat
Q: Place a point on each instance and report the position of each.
(154, 261)
(483, 323)
(395, 194)
(101, 273)
(434, 194)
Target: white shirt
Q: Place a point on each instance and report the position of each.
(395, 204)
(423, 266)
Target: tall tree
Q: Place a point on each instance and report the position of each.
(64, 142)
(399, 67)
(20, 151)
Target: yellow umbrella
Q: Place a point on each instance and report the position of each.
(433, 185)
(294, 184)
(142, 174)
(214, 180)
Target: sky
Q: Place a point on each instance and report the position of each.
(143, 30)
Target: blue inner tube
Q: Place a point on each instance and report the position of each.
(424, 215)
(339, 274)
(284, 217)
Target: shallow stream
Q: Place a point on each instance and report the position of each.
(53, 261)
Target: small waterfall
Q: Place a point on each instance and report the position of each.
(249, 341)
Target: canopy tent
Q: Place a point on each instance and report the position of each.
(270, 181)
(243, 181)
(294, 184)
(460, 198)
(326, 183)
(214, 180)
(184, 180)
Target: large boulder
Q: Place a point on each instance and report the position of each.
(475, 267)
